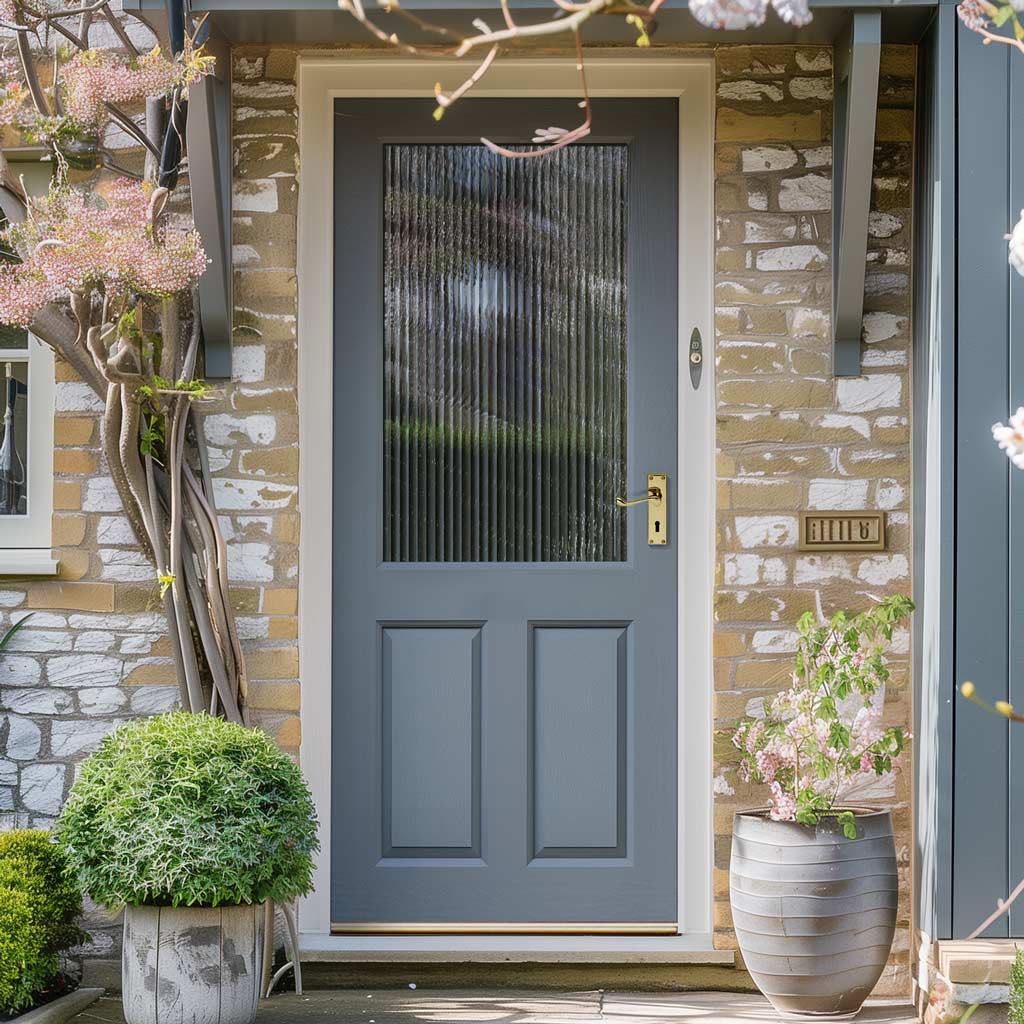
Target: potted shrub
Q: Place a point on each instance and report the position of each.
(39, 906)
(190, 823)
(812, 880)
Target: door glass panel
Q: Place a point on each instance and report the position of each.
(504, 354)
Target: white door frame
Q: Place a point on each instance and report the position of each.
(320, 80)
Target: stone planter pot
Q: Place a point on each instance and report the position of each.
(814, 911)
(208, 969)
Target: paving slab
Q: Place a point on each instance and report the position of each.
(441, 1007)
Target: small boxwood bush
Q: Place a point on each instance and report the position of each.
(1016, 1009)
(187, 809)
(39, 904)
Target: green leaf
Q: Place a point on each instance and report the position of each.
(14, 630)
(1002, 15)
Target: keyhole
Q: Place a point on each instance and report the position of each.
(657, 526)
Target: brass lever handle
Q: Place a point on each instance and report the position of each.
(653, 494)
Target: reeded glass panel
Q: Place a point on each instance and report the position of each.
(504, 354)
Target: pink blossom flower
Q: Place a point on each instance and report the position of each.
(766, 764)
(1015, 253)
(71, 243)
(1010, 438)
(93, 78)
(793, 12)
(729, 14)
(974, 14)
(754, 736)
(22, 294)
(783, 804)
(740, 14)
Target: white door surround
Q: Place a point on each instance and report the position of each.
(320, 80)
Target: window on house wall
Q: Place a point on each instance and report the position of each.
(26, 450)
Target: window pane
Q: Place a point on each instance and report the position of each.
(504, 354)
(10, 337)
(14, 444)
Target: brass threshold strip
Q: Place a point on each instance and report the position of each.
(504, 928)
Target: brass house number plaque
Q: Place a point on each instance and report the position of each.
(842, 531)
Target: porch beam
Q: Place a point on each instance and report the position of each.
(208, 136)
(857, 54)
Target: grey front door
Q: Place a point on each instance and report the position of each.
(504, 643)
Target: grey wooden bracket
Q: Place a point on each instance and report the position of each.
(857, 52)
(208, 138)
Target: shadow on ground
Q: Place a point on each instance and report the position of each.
(434, 1007)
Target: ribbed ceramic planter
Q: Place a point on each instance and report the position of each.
(814, 911)
(192, 965)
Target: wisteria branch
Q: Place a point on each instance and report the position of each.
(568, 18)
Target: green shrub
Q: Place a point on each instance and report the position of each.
(1016, 1014)
(189, 809)
(39, 902)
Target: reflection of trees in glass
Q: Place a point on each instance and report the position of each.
(13, 495)
(505, 354)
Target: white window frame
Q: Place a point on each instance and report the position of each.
(26, 540)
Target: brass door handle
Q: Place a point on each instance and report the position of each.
(653, 494)
(657, 507)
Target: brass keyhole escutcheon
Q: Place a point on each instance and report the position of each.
(657, 507)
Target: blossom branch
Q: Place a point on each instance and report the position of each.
(543, 28)
(119, 30)
(569, 17)
(445, 100)
(558, 137)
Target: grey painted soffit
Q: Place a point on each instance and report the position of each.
(319, 22)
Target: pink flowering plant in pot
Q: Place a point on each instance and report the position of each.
(825, 732)
(813, 880)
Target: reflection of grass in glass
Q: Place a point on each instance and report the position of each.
(497, 434)
(566, 519)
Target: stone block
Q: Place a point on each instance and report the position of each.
(274, 696)
(737, 126)
(273, 663)
(280, 601)
(42, 787)
(74, 430)
(67, 496)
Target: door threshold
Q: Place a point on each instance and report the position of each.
(615, 949)
(506, 928)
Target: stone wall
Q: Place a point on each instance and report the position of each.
(790, 436)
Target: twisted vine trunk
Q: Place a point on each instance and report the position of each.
(170, 505)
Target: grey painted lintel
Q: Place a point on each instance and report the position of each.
(857, 55)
